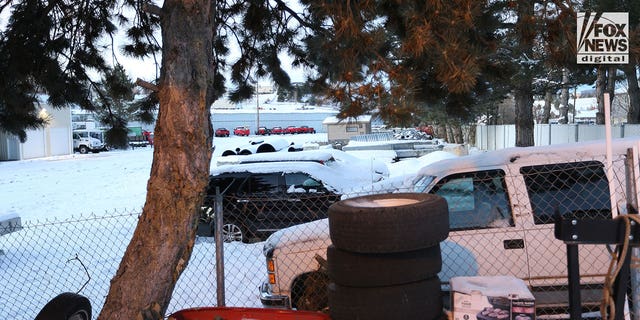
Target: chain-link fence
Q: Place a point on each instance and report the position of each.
(501, 223)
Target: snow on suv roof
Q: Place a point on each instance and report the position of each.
(312, 155)
(336, 169)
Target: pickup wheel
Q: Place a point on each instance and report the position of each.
(66, 306)
(83, 149)
(416, 300)
(387, 223)
(378, 270)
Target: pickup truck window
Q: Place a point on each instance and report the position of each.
(422, 183)
(476, 200)
(572, 190)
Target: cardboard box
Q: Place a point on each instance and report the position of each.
(491, 298)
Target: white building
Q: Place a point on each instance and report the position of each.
(53, 140)
(340, 130)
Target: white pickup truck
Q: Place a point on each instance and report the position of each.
(85, 142)
(502, 207)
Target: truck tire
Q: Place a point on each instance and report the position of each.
(83, 149)
(387, 223)
(66, 306)
(387, 269)
(417, 300)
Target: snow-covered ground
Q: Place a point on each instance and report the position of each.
(48, 257)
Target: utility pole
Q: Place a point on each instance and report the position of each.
(257, 107)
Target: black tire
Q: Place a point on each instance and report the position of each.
(387, 269)
(418, 300)
(83, 149)
(387, 223)
(66, 306)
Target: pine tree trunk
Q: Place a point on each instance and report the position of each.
(524, 116)
(458, 136)
(523, 94)
(611, 88)
(546, 112)
(164, 237)
(564, 97)
(633, 115)
(601, 83)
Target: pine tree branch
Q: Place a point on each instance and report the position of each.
(295, 15)
(147, 85)
(6, 4)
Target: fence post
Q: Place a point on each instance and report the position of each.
(631, 171)
(220, 290)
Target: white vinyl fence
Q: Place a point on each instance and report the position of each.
(494, 137)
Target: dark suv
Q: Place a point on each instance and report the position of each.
(257, 204)
(265, 192)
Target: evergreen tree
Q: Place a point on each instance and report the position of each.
(115, 101)
(51, 45)
(48, 46)
(399, 59)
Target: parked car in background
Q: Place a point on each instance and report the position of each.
(502, 208)
(222, 132)
(241, 131)
(265, 192)
(277, 130)
(262, 131)
(291, 130)
(306, 129)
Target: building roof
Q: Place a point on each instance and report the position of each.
(359, 119)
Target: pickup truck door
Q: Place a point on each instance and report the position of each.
(483, 239)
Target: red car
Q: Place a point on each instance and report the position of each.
(277, 130)
(222, 132)
(262, 131)
(291, 130)
(241, 131)
(306, 129)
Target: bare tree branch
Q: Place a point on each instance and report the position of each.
(147, 85)
(152, 9)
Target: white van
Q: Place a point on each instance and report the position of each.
(502, 207)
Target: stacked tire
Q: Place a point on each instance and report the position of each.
(385, 256)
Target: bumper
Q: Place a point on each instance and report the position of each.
(269, 300)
